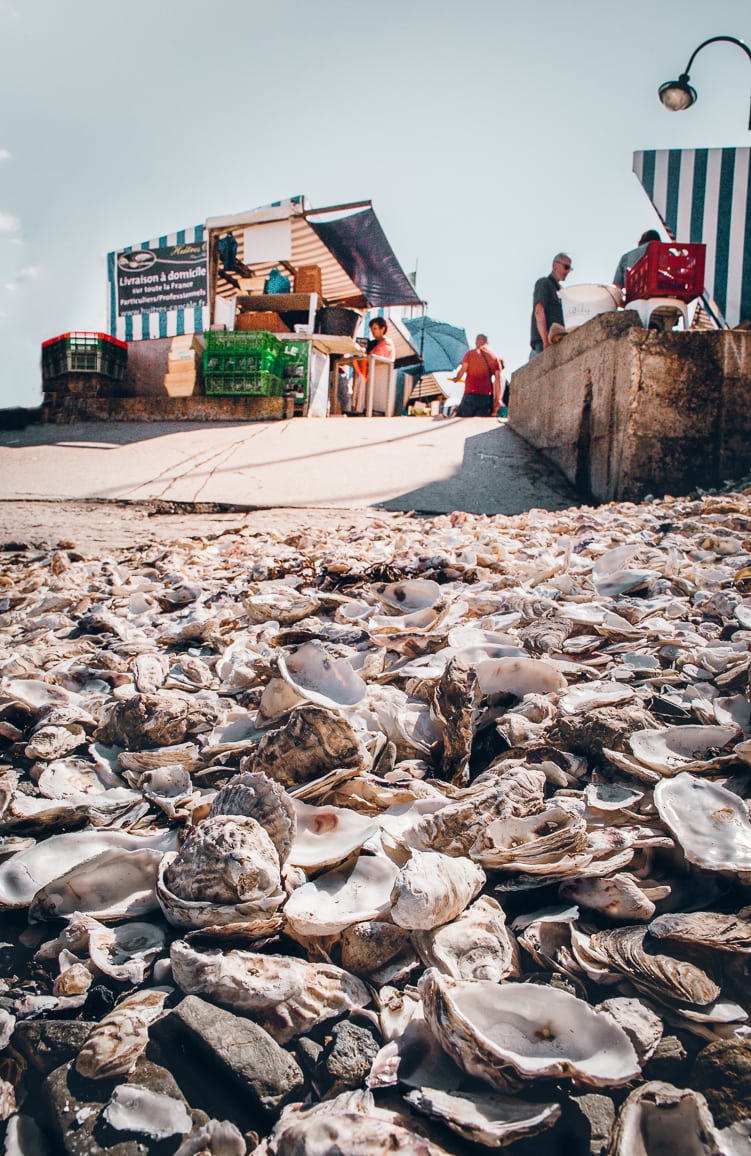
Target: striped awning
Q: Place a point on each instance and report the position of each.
(702, 196)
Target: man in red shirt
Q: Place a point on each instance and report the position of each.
(480, 371)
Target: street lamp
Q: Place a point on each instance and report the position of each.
(678, 94)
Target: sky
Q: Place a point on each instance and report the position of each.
(489, 135)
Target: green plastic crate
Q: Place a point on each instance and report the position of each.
(293, 366)
(229, 364)
(246, 341)
(261, 384)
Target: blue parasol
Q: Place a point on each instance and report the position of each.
(441, 346)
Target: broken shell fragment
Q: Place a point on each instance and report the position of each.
(114, 1045)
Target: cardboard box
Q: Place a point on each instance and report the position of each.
(186, 341)
(308, 279)
(180, 384)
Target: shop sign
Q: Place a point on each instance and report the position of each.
(158, 279)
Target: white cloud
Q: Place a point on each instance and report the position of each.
(9, 223)
(11, 286)
(4, 155)
(26, 272)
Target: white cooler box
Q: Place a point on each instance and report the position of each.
(581, 302)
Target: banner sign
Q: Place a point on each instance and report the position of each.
(152, 280)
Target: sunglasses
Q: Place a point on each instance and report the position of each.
(563, 265)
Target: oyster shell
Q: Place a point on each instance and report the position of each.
(533, 844)
(337, 899)
(286, 996)
(519, 676)
(432, 889)
(315, 675)
(710, 823)
(327, 835)
(261, 798)
(115, 1044)
(657, 1115)
(114, 884)
(673, 749)
(312, 741)
(475, 945)
(485, 1117)
(411, 594)
(503, 1032)
(227, 872)
(28, 871)
(712, 929)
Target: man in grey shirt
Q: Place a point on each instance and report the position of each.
(546, 304)
(629, 259)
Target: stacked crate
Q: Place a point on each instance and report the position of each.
(293, 366)
(242, 363)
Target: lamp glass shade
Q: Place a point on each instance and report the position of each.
(677, 95)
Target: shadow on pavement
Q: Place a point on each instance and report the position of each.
(500, 474)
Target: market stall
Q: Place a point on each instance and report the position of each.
(259, 307)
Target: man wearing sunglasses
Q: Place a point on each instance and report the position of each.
(546, 304)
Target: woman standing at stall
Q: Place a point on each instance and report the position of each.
(380, 345)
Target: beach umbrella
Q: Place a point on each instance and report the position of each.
(441, 346)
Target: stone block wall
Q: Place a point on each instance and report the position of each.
(625, 412)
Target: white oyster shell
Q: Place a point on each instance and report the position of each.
(287, 996)
(432, 889)
(710, 823)
(327, 835)
(588, 695)
(133, 1108)
(659, 1117)
(671, 749)
(112, 885)
(410, 594)
(23, 875)
(534, 1030)
(485, 1117)
(519, 676)
(337, 899)
(317, 676)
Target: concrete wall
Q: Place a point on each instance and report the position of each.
(625, 412)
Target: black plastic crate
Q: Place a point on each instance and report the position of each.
(84, 352)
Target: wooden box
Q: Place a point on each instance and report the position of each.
(270, 322)
(308, 279)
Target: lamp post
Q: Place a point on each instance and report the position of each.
(678, 94)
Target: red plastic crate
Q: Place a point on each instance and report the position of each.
(667, 270)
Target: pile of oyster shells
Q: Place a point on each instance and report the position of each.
(480, 784)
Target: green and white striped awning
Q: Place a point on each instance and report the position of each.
(703, 195)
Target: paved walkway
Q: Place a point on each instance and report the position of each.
(430, 465)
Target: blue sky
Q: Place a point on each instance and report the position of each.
(488, 133)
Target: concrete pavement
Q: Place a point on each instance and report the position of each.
(430, 465)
